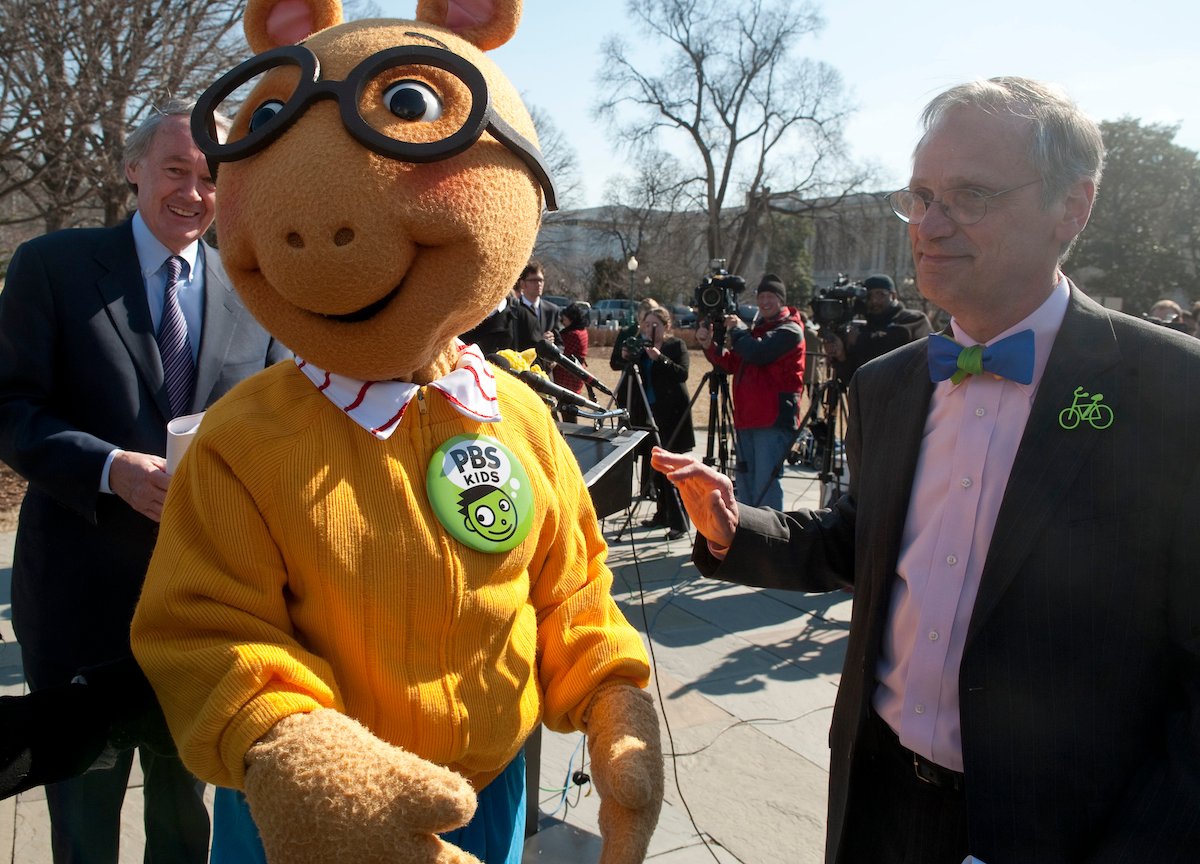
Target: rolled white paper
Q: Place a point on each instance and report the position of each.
(179, 436)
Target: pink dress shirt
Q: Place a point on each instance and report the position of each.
(970, 441)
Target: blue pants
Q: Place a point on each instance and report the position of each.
(495, 836)
(759, 452)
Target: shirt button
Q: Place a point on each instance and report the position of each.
(951, 560)
(966, 482)
(979, 412)
(919, 708)
(933, 635)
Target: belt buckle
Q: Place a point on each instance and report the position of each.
(924, 772)
(934, 775)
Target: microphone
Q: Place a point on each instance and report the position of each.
(549, 351)
(546, 388)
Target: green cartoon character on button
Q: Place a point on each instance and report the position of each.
(489, 513)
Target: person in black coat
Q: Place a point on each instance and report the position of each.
(84, 406)
(1022, 674)
(662, 360)
(535, 319)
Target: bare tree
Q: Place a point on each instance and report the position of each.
(559, 156)
(760, 122)
(647, 219)
(79, 75)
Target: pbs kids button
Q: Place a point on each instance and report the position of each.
(480, 493)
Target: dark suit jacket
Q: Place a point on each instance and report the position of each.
(1080, 680)
(530, 326)
(80, 374)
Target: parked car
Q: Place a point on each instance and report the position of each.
(684, 316)
(613, 309)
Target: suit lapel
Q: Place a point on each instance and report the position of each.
(124, 293)
(1085, 354)
(904, 426)
(221, 311)
(886, 478)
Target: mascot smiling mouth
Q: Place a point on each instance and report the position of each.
(365, 312)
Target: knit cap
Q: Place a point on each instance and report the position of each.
(771, 282)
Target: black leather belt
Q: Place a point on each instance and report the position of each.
(926, 771)
(936, 775)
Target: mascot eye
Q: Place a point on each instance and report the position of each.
(485, 517)
(412, 100)
(505, 506)
(263, 113)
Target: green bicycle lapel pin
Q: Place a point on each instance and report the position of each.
(1086, 408)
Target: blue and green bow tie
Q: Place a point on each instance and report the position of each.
(1011, 358)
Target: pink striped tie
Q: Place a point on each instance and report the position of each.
(179, 370)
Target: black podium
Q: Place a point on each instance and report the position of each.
(606, 458)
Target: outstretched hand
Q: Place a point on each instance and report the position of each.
(707, 494)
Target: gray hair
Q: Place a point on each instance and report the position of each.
(1065, 146)
(137, 145)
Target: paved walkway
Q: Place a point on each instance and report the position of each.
(747, 680)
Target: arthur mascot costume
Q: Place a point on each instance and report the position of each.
(378, 567)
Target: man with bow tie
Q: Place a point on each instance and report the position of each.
(1022, 679)
(106, 334)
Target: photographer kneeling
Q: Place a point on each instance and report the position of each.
(767, 362)
(887, 325)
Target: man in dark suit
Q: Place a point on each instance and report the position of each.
(84, 404)
(535, 319)
(1022, 679)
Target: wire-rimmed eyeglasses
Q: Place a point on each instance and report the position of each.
(961, 206)
(273, 118)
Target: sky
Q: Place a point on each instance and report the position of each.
(1139, 59)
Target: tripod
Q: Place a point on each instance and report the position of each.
(721, 435)
(824, 447)
(631, 385)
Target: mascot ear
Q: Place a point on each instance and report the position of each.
(272, 23)
(486, 24)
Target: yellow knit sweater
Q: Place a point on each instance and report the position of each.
(299, 565)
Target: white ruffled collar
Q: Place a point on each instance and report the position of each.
(379, 406)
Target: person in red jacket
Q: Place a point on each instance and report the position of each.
(574, 337)
(767, 363)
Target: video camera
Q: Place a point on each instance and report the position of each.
(716, 296)
(635, 344)
(835, 307)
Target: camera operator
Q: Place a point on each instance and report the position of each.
(767, 362)
(662, 360)
(1168, 313)
(886, 325)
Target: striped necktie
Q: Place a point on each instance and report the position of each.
(179, 370)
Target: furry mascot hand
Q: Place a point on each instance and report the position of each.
(627, 765)
(360, 800)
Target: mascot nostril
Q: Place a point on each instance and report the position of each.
(378, 567)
